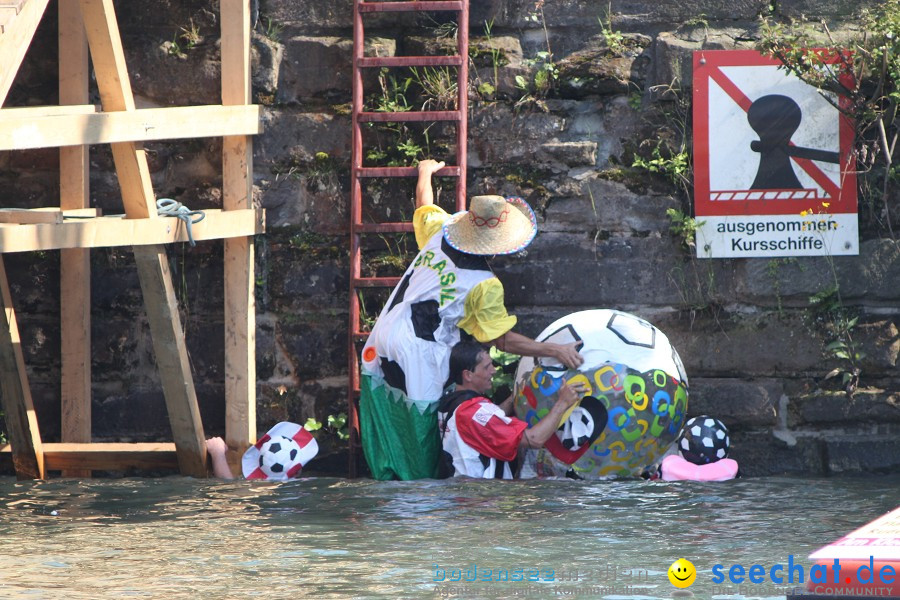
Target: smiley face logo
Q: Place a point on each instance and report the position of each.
(682, 573)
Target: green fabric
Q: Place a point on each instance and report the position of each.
(398, 441)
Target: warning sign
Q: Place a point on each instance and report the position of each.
(773, 162)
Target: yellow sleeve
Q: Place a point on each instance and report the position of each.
(484, 316)
(428, 220)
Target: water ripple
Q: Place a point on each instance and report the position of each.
(329, 538)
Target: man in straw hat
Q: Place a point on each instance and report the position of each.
(449, 287)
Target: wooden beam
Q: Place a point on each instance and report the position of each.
(237, 194)
(112, 231)
(235, 44)
(45, 214)
(7, 16)
(15, 41)
(21, 216)
(107, 456)
(172, 359)
(115, 95)
(15, 394)
(153, 267)
(75, 264)
(240, 343)
(52, 214)
(14, 5)
(26, 128)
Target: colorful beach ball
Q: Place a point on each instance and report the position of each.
(634, 408)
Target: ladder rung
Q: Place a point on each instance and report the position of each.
(371, 7)
(383, 227)
(402, 172)
(360, 336)
(409, 61)
(375, 281)
(417, 116)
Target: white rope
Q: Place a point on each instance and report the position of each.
(166, 207)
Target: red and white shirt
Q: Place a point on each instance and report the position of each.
(482, 440)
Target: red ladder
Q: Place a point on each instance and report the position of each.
(358, 171)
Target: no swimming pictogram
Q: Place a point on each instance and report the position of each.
(768, 150)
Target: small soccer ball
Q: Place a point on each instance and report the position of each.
(703, 440)
(277, 456)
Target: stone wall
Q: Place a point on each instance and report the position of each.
(751, 342)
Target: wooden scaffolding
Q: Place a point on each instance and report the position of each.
(89, 28)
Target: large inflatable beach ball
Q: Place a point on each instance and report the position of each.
(635, 405)
(704, 440)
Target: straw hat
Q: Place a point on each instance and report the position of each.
(492, 225)
(280, 454)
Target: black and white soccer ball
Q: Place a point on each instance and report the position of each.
(703, 440)
(577, 429)
(277, 456)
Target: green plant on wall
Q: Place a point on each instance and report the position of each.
(401, 144)
(670, 154)
(487, 89)
(839, 323)
(188, 39)
(864, 72)
(439, 87)
(615, 41)
(668, 157)
(683, 226)
(271, 29)
(366, 319)
(675, 166)
(546, 72)
(773, 270)
(334, 424)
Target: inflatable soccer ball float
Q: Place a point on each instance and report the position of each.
(634, 406)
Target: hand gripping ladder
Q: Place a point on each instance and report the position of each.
(358, 171)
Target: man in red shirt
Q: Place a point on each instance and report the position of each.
(478, 436)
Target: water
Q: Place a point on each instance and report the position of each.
(330, 538)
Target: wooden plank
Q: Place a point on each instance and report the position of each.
(115, 95)
(75, 348)
(14, 5)
(27, 215)
(51, 110)
(153, 269)
(42, 215)
(172, 359)
(117, 231)
(7, 16)
(15, 41)
(15, 394)
(240, 343)
(27, 128)
(67, 457)
(235, 20)
(237, 188)
(75, 264)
